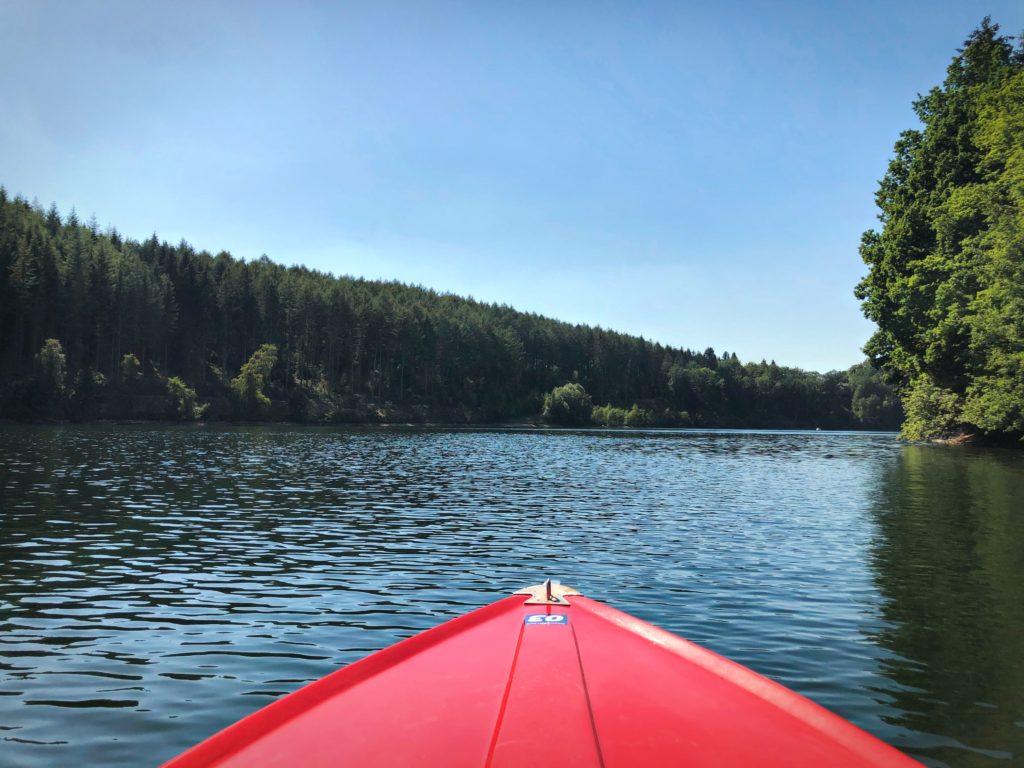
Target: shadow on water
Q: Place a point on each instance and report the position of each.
(949, 563)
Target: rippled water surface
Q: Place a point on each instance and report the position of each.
(159, 583)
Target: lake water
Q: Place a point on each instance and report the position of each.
(159, 583)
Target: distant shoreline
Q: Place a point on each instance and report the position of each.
(384, 425)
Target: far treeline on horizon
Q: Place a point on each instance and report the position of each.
(96, 326)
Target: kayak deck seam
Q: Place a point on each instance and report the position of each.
(586, 696)
(504, 700)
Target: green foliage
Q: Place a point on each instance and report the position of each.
(248, 385)
(131, 369)
(44, 394)
(567, 404)
(88, 380)
(932, 412)
(184, 403)
(608, 416)
(873, 402)
(946, 274)
(638, 417)
(995, 404)
(53, 370)
(670, 418)
(346, 350)
(87, 394)
(695, 387)
(635, 416)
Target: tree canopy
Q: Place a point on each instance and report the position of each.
(255, 339)
(946, 272)
(567, 404)
(255, 375)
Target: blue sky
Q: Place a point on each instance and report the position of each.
(699, 174)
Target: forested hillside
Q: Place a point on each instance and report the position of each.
(93, 325)
(946, 279)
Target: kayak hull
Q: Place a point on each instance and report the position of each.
(520, 684)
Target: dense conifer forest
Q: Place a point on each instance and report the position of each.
(93, 325)
(946, 272)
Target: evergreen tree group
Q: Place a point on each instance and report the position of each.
(151, 330)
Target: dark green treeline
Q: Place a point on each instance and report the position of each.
(147, 329)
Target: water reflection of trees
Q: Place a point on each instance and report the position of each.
(950, 562)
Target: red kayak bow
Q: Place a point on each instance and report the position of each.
(545, 677)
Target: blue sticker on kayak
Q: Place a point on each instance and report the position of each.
(546, 619)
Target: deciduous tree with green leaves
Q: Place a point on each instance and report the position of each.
(131, 370)
(568, 404)
(185, 405)
(249, 384)
(52, 377)
(946, 272)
